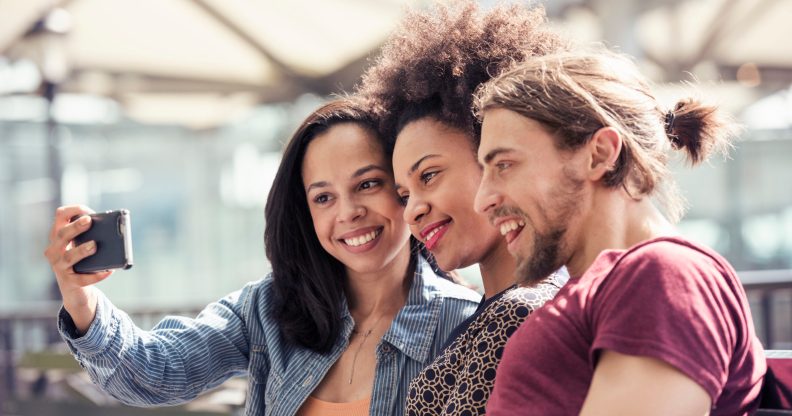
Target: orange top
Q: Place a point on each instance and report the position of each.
(316, 407)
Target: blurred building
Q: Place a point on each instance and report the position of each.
(184, 126)
(178, 110)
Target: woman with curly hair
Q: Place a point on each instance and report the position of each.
(421, 87)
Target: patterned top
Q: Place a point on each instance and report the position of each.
(459, 381)
(182, 357)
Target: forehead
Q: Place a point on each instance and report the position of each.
(506, 130)
(428, 136)
(342, 148)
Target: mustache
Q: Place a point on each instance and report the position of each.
(506, 211)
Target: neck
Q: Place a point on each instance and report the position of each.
(497, 270)
(616, 221)
(381, 292)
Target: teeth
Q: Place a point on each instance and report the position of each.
(360, 240)
(434, 231)
(512, 225)
(431, 234)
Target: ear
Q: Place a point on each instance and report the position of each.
(604, 148)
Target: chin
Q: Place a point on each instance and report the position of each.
(365, 266)
(447, 262)
(543, 259)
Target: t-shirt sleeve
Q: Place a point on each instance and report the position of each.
(673, 303)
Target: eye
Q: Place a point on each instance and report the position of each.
(322, 199)
(502, 165)
(427, 176)
(403, 199)
(369, 184)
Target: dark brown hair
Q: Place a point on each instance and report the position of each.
(575, 94)
(308, 282)
(433, 63)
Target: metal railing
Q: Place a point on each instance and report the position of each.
(34, 327)
(770, 295)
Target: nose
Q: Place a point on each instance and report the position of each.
(415, 209)
(487, 197)
(350, 210)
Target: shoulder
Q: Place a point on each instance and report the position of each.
(521, 301)
(439, 287)
(531, 297)
(671, 249)
(668, 271)
(261, 287)
(253, 295)
(450, 290)
(669, 256)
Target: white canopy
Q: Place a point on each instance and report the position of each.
(157, 55)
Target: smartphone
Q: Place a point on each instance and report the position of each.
(112, 233)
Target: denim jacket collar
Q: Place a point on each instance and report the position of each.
(423, 291)
(416, 343)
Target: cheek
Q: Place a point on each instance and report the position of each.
(529, 186)
(321, 225)
(397, 217)
(391, 206)
(415, 231)
(400, 225)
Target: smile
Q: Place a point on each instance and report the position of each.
(510, 226)
(511, 229)
(363, 239)
(433, 233)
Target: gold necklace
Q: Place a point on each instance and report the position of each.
(360, 346)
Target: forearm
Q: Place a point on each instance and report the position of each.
(171, 364)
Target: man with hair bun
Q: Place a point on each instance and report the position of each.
(574, 149)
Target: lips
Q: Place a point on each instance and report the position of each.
(432, 233)
(510, 229)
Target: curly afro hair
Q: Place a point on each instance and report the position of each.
(434, 61)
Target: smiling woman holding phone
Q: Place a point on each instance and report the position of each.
(350, 314)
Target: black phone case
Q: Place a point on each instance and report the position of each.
(112, 233)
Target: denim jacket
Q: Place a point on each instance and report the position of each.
(183, 357)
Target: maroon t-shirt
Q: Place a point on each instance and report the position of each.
(665, 298)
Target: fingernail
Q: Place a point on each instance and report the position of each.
(85, 220)
(90, 246)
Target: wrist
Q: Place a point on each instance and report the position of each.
(81, 306)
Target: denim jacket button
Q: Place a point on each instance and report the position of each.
(386, 348)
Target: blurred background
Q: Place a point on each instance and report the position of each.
(177, 110)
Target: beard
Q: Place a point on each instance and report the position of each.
(544, 259)
(545, 256)
(549, 251)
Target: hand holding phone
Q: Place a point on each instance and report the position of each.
(111, 231)
(80, 297)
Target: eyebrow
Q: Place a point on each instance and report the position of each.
(358, 173)
(495, 152)
(321, 184)
(415, 165)
(368, 168)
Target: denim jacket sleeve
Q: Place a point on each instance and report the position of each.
(174, 362)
